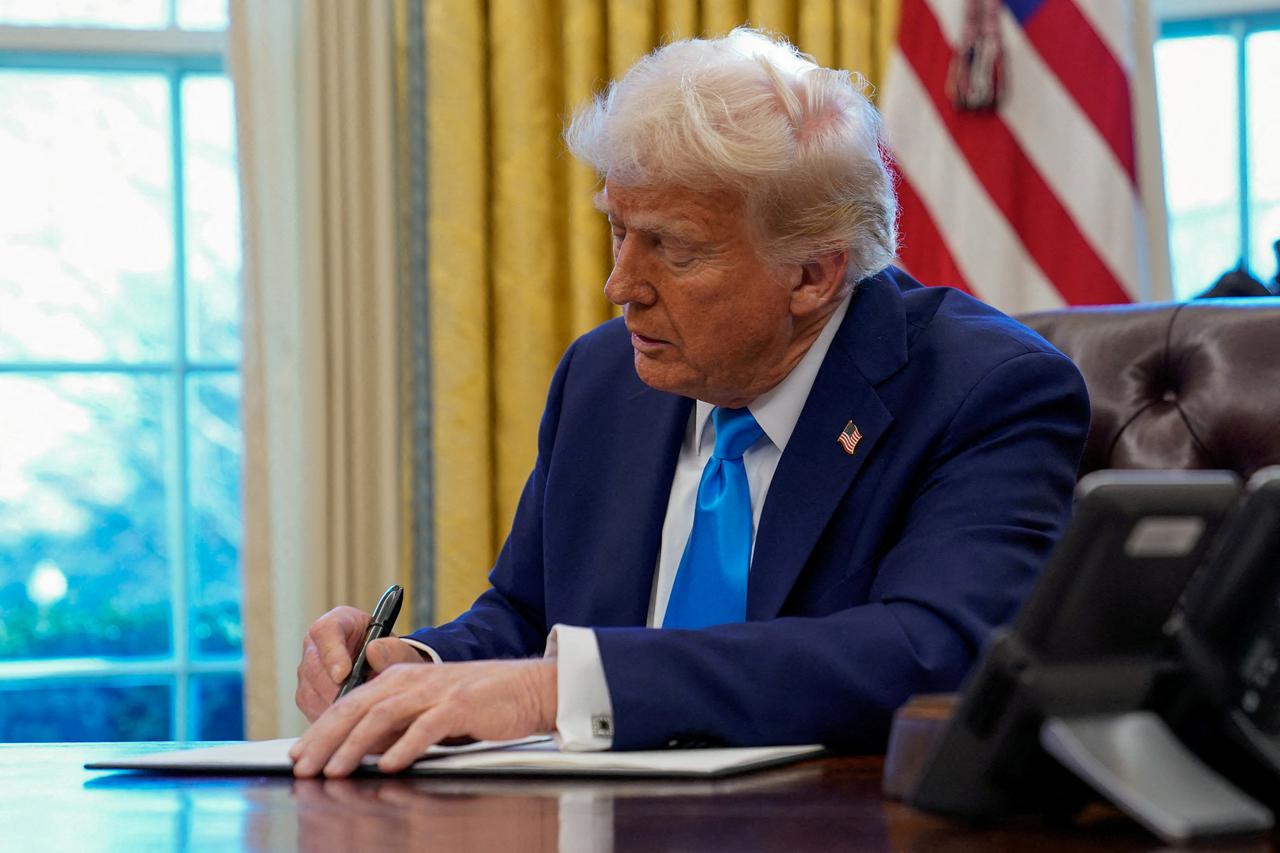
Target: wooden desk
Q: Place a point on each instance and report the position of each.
(49, 802)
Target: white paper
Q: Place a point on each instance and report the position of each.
(535, 755)
(546, 758)
(269, 755)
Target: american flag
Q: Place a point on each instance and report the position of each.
(849, 437)
(1029, 195)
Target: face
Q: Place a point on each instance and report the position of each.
(708, 318)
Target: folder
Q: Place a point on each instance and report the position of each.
(535, 756)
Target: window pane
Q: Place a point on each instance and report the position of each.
(215, 449)
(133, 14)
(1262, 53)
(83, 545)
(202, 14)
(1199, 127)
(212, 219)
(217, 707)
(86, 263)
(120, 710)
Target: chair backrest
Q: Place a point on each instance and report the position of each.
(1185, 385)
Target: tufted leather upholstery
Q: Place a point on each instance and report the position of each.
(1187, 385)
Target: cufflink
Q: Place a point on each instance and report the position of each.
(602, 725)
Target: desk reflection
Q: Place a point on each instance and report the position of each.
(48, 801)
(494, 813)
(367, 814)
(564, 815)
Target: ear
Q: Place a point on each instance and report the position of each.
(820, 283)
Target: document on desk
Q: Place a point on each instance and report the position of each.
(535, 756)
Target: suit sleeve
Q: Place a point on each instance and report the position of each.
(508, 620)
(994, 497)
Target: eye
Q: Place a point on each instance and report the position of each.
(677, 254)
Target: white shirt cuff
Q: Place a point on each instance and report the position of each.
(424, 648)
(584, 711)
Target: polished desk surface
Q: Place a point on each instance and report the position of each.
(49, 802)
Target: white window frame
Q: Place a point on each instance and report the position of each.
(1237, 19)
(175, 53)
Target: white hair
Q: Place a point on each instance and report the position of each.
(800, 143)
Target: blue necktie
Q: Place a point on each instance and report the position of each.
(711, 583)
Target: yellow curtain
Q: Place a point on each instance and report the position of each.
(517, 255)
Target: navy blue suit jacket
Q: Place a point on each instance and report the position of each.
(876, 575)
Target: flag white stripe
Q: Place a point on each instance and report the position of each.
(1114, 23)
(1064, 146)
(950, 15)
(983, 244)
(1072, 156)
(1111, 19)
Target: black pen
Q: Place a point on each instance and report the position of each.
(380, 625)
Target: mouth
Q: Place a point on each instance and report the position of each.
(644, 343)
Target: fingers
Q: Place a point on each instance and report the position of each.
(318, 743)
(430, 728)
(384, 722)
(310, 701)
(337, 635)
(416, 706)
(388, 652)
(353, 727)
(327, 651)
(315, 689)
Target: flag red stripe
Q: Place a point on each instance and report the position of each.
(923, 250)
(1089, 71)
(1018, 190)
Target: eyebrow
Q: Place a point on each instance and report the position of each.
(680, 229)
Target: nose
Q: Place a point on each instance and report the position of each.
(627, 281)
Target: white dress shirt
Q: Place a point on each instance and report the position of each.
(584, 716)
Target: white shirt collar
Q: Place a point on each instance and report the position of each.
(778, 409)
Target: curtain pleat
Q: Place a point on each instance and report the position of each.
(886, 14)
(776, 16)
(720, 16)
(816, 32)
(677, 19)
(631, 33)
(518, 254)
(527, 226)
(413, 386)
(315, 99)
(586, 56)
(462, 376)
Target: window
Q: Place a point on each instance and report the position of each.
(1216, 79)
(120, 446)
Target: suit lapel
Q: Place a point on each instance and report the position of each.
(815, 471)
(648, 446)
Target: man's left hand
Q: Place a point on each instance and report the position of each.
(409, 707)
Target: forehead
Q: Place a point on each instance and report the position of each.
(671, 208)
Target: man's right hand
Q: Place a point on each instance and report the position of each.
(329, 648)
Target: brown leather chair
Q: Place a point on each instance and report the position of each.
(1173, 385)
(1176, 385)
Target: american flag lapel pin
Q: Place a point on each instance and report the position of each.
(849, 437)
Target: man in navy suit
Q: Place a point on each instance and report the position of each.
(907, 458)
